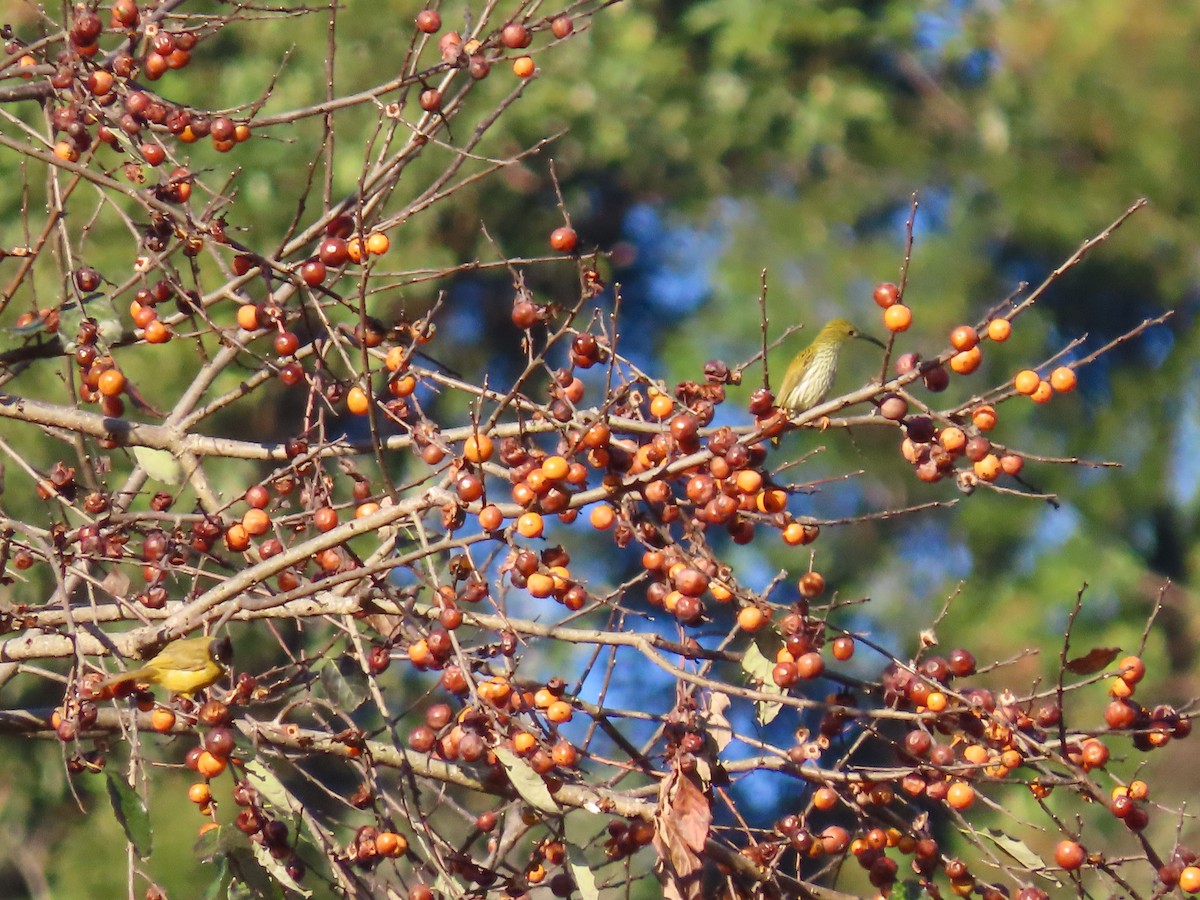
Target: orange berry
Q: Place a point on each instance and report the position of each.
(523, 741)
(162, 720)
(793, 534)
(563, 239)
(1189, 880)
(530, 525)
(200, 793)
(490, 517)
(1012, 464)
(478, 448)
(1132, 669)
(825, 799)
(378, 243)
(247, 317)
(559, 711)
(952, 439)
(524, 67)
(661, 406)
(210, 766)
(366, 509)
(395, 359)
(539, 585)
(1120, 689)
(771, 501)
(354, 249)
(1063, 380)
(1043, 394)
(984, 418)
(999, 330)
(156, 332)
(256, 521)
(1027, 381)
(237, 538)
(357, 401)
(602, 517)
(967, 361)
(748, 481)
(388, 843)
(1138, 789)
(111, 383)
(988, 468)
(960, 795)
(565, 754)
(975, 754)
(555, 468)
(1070, 855)
(897, 318)
(843, 647)
(964, 337)
(402, 386)
(751, 618)
(936, 702)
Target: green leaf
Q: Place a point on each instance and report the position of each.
(585, 878)
(251, 879)
(278, 870)
(1018, 850)
(528, 783)
(270, 787)
(130, 812)
(907, 890)
(344, 682)
(759, 668)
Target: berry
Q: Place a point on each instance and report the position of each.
(563, 239)
(1027, 382)
(999, 330)
(897, 318)
(887, 294)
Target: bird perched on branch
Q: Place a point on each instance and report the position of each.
(184, 666)
(810, 374)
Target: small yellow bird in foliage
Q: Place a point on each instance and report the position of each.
(810, 374)
(184, 666)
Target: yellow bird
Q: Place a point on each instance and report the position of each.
(184, 666)
(810, 374)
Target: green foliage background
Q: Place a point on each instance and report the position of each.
(796, 132)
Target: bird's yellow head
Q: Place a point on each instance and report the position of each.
(838, 331)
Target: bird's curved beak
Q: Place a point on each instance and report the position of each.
(872, 339)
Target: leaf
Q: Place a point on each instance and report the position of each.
(907, 890)
(160, 465)
(251, 879)
(278, 870)
(1018, 850)
(271, 788)
(718, 726)
(1093, 661)
(528, 783)
(273, 791)
(344, 682)
(130, 812)
(681, 824)
(585, 880)
(759, 668)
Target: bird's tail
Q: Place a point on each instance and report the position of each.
(114, 681)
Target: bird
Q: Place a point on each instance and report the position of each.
(184, 666)
(810, 374)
